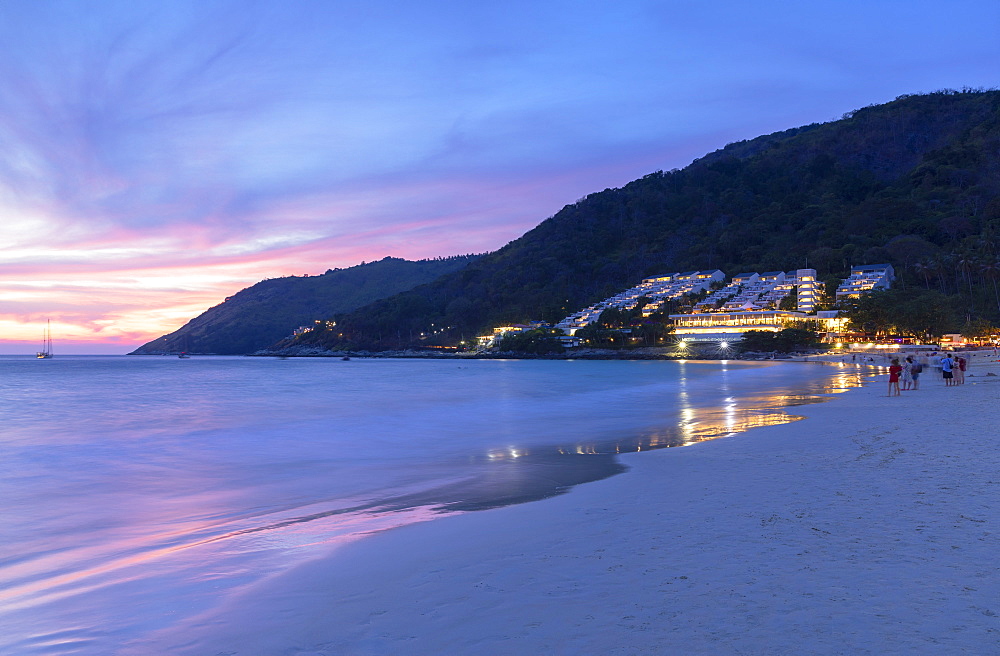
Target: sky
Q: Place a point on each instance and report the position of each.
(156, 158)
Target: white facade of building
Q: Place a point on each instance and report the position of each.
(764, 291)
(749, 302)
(867, 278)
(730, 326)
(658, 289)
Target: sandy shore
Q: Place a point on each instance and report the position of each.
(868, 528)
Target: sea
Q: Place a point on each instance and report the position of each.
(141, 491)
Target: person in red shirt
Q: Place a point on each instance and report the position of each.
(894, 370)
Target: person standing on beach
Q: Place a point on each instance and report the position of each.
(894, 370)
(907, 376)
(946, 370)
(960, 364)
(915, 370)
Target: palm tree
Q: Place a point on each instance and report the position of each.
(938, 266)
(990, 270)
(923, 268)
(964, 262)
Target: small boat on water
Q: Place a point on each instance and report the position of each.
(184, 355)
(46, 351)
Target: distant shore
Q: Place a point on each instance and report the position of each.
(695, 352)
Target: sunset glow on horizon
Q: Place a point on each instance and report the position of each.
(155, 159)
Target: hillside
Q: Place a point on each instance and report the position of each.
(915, 182)
(260, 315)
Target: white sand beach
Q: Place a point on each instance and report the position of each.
(870, 527)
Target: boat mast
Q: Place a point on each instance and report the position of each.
(46, 351)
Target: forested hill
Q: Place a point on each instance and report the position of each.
(913, 182)
(258, 316)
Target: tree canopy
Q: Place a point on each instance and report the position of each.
(924, 314)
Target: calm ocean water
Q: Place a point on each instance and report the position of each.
(140, 491)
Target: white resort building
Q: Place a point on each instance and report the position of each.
(867, 278)
(730, 326)
(750, 301)
(658, 289)
(764, 291)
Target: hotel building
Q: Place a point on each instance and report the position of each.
(730, 326)
(750, 301)
(658, 289)
(867, 278)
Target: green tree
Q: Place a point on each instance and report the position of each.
(783, 341)
(652, 333)
(869, 314)
(757, 340)
(791, 301)
(794, 339)
(979, 329)
(540, 341)
(925, 314)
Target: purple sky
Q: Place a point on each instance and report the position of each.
(157, 157)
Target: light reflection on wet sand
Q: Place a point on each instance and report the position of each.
(737, 415)
(518, 474)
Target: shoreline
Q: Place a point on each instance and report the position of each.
(856, 530)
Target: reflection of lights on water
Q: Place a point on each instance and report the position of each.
(730, 414)
(510, 453)
(696, 424)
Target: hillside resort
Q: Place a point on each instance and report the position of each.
(770, 301)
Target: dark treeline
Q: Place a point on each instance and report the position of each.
(913, 182)
(269, 311)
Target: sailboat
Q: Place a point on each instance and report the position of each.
(46, 351)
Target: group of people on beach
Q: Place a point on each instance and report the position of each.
(953, 369)
(908, 372)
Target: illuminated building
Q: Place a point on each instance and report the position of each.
(658, 289)
(730, 326)
(488, 341)
(867, 278)
(763, 291)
